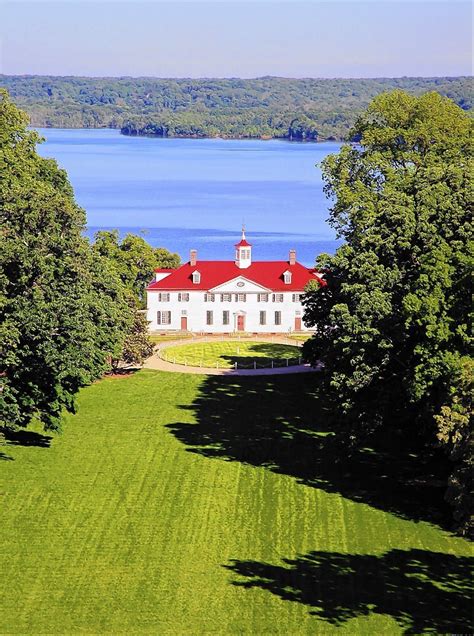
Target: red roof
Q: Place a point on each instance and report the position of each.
(268, 274)
(243, 243)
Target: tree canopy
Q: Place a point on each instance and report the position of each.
(134, 259)
(393, 322)
(63, 309)
(299, 109)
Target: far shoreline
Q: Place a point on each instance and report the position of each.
(197, 137)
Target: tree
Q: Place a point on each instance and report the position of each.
(134, 259)
(393, 320)
(137, 346)
(455, 433)
(63, 310)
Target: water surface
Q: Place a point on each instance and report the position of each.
(197, 192)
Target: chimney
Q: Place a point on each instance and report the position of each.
(193, 257)
(292, 259)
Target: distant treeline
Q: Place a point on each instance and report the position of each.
(300, 109)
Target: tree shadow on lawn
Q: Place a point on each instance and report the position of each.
(279, 423)
(267, 350)
(423, 591)
(23, 437)
(262, 353)
(247, 361)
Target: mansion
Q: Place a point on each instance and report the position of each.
(227, 296)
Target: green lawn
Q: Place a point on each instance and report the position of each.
(156, 337)
(180, 505)
(300, 337)
(225, 354)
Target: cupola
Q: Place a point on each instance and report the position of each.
(243, 252)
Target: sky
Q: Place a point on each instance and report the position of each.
(375, 38)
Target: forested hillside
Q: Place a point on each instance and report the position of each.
(315, 109)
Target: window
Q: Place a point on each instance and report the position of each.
(242, 254)
(296, 298)
(277, 298)
(163, 318)
(225, 317)
(226, 298)
(278, 317)
(163, 298)
(262, 298)
(287, 278)
(196, 277)
(263, 317)
(183, 297)
(209, 318)
(240, 298)
(209, 298)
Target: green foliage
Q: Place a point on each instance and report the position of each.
(393, 322)
(134, 259)
(301, 109)
(455, 434)
(63, 312)
(137, 346)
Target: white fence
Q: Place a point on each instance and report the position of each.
(257, 363)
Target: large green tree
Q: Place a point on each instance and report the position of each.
(134, 259)
(393, 320)
(63, 310)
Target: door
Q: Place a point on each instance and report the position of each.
(297, 323)
(184, 323)
(240, 323)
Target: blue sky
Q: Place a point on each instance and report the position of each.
(236, 39)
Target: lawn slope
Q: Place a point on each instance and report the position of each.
(179, 504)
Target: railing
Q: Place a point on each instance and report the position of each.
(257, 363)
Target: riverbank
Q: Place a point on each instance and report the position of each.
(318, 140)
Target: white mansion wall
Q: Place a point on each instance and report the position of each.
(195, 311)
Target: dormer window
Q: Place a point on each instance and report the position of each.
(287, 278)
(196, 277)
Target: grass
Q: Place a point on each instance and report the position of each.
(157, 338)
(300, 337)
(178, 504)
(225, 354)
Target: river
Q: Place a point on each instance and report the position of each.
(184, 193)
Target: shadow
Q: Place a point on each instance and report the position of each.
(26, 438)
(263, 353)
(280, 422)
(247, 362)
(267, 349)
(423, 591)
(5, 457)
(121, 372)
